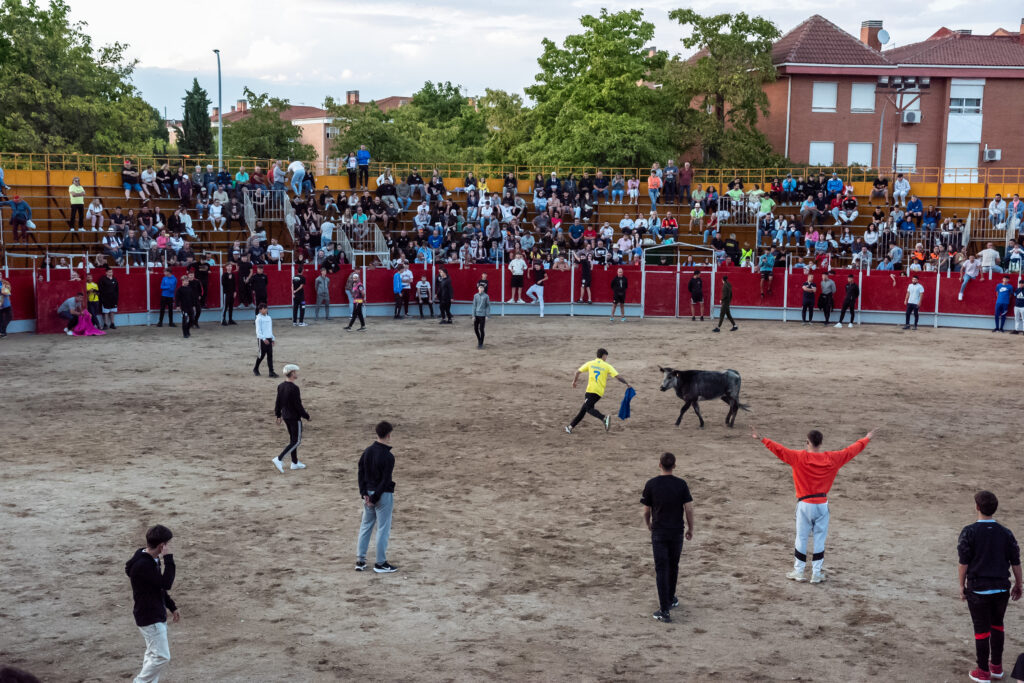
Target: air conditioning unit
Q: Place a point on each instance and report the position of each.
(911, 117)
(993, 154)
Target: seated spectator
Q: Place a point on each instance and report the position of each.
(932, 217)
(886, 264)
(846, 242)
(862, 258)
(846, 212)
(915, 211)
(880, 188)
(896, 257)
(112, 246)
(221, 193)
(809, 210)
(130, 180)
(990, 259)
(788, 195)
(900, 190)
(997, 210)
(94, 214)
(133, 251)
(235, 214)
(810, 239)
(217, 218)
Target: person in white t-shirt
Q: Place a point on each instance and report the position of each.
(915, 291)
(298, 171)
(517, 266)
(274, 251)
(990, 260)
(217, 218)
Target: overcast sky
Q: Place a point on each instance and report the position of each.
(306, 49)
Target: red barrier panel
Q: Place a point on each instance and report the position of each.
(50, 295)
(660, 298)
(684, 293)
(23, 297)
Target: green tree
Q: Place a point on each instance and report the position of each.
(718, 96)
(195, 135)
(505, 119)
(593, 105)
(263, 134)
(388, 135)
(438, 104)
(60, 94)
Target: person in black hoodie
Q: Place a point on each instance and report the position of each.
(288, 409)
(443, 290)
(228, 286)
(149, 590)
(377, 489)
(185, 298)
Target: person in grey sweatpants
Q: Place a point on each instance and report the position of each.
(377, 489)
(323, 295)
(481, 309)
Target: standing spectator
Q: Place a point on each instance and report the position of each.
(667, 500)
(696, 289)
(685, 180)
(396, 289)
(619, 286)
(357, 294)
(1018, 307)
(363, 159)
(168, 286)
(377, 489)
(149, 593)
(654, 184)
(987, 552)
(6, 312)
(517, 266)
(766, 266)
(92, 300)
(969, 270)
(481, 309)
(423, 296)
(901, 190)
(109, 295)
(814, 472)
(198, 285)
(807, 309)
(69, 310)
(77, 198)
(288, 409)
(912, 300)
(725, 307)
(1004, 295)
(849, 300)
(826, 298)
(352, 168)
(298, 298)
(228, 287)
(536, 291)
(264, 340)
(444, 296)
(130, 181)
(185, 298)
(323, 295)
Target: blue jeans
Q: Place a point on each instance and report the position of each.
(422, 189)
(707, 235)
(967, 278)
(653, 194)
(405, 202)
(599, 191)
(297, 179)
(811, 518)
(618, 194)
(380, 516)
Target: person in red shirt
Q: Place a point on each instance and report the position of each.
(813, 474)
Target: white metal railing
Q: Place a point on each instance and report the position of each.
(380, 244)
(249, 211)
(346, 246)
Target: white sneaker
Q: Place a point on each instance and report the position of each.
(511, 301)
(279, 465)
(960, 296)
(70, 333)
(838, 325)
(796, 576)
(94, 230)
(849, 326)
(298, 466)
(818, 577)
(303, 324)
(520, 302)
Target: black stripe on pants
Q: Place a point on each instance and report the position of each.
(294, 439)
(265, 349)
(588, 408)
(850, 306)
(479, 322)
(987, 612)
(357, 312)
(826, 305)
(667, 547)
(807, 312)
(915, 309)
(186, 322)
(298, 310)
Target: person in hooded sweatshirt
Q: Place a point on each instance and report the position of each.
(149, 591)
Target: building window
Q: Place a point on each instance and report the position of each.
(332, 131)
(859, 153)
(905, 157)
(823, 96)
(821, 154)
(862, 98)
(964, 105)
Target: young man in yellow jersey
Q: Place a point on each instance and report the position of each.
(598, 371)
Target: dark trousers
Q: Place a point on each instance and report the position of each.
(398, 304)
(166, 303)
(430, 305)
(265, 349)
(725, 313)
(196, 312)
(850, 306)
(667, 547)
(364, 175)
(357, 312)
(244, 295)
(987, 614)
(187, 322)
(298, 310)
(352, 179)
(94, 312)
(294, 439)
(71, 318)
(588, 407)
(479, 322)
(77, 210)
(5, 318)
(405, 300)
(671, 191)
(807, 312)
(826, 304)
(915, 310)
(229, 306)
(445, 310)
(684, 193)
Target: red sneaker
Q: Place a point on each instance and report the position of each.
(995, 670)
(980, 676)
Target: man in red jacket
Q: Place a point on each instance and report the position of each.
(813, 474)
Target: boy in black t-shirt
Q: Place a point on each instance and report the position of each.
(298, 299)
(666, 499)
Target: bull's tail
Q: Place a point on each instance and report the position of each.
(743, 406)
(734, 388)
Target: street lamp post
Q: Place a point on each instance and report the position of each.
(220, 118)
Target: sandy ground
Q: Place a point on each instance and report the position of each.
(521, 548)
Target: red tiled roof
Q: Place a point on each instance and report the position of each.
(818, 41)
(956, 49)
(290, 114)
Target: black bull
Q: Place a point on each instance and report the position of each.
(693, 385)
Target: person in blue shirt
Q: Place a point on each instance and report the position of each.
(168, 285)
(1004, 293)
(396, 288)
(435, 240)
(363, 161)
(788, 189)
(915, 210)
(21, 215)
(425, 254)
(834, 186)
(886, 264)
(766, 266)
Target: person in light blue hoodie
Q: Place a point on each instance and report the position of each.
(168, 285)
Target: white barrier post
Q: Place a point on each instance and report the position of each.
(148, 299)
(678, 275)
(860, 294)
(572, 290)
(643, 282)
(785, 289)
(714, 271)
(938, 280)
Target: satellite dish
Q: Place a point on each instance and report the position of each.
(883, 36)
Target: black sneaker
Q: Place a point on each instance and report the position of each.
(716, 330)
(675, 602)
(384, 568)
(256, 371)
(232, 322)
(662, 616)
(159, 325)
(273, 374)
(734, 328)
(360, 565)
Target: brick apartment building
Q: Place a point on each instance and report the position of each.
(827, 108)
(318, 127)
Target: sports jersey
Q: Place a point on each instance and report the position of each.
(597, 372)
(92, 290)
(1003, 293)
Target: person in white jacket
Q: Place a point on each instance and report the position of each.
(264, 340)
(997, 210)
(900, 190)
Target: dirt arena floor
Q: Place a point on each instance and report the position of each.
(521, 549)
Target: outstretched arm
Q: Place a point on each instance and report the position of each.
(622, 379)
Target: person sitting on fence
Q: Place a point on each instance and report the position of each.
(900, 190)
